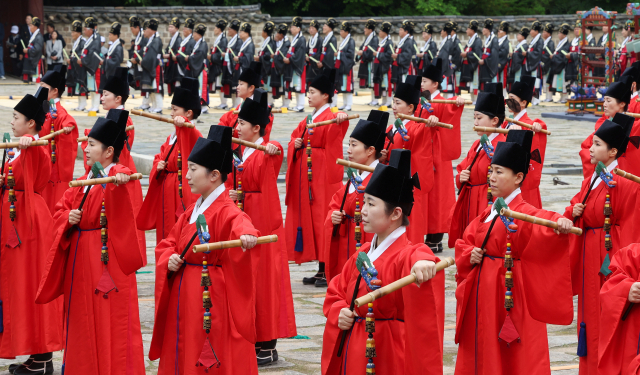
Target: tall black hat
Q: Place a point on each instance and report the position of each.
(433, 71)
(428, 28)
(332, 23)
(76, 26)
(186, 96)
(135, 21)
(35, 107)
(488, 103)
(372, 131)
(316, 24)
(408, 26)
(201, 28)
(115, 28)
(235, 24)
(190, 23)
(524, 31)
(473, 25)
(549, 28)
(246, 27)
(253, 75)
(370, 24)
(634, 72)
(261, 96)
(222, 24)
(56, 78)
(282, 28)
(616, 133)
(537, 26)
(111, 130)
(448, 27)
(496, 88)
(504, 26)
(393, 183)
(118, 84)
(90, 22)
(409, 90)
(325, 83)
(564, 29)
(175, 21)
(523, 89)
(455, 26)
(515, 153)
(214, 152)
(268, 27)
(153, 24)
(621, 89)
(346, 26)
(296, 21)
(35, 21)
(386, 27)
(252, 112)
(488, 24)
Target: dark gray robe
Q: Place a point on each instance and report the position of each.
(171, 74)
(470, 65)
(314, 52)
(546, 55)
(266, 56)
(186, 47)
(491, 57)
(90, 61)
(403, 62)
(366, 58)
(34, 55)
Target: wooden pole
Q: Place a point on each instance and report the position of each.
(626, 175)
(329, 122)
(536, 220)
(634, 115)
(52, 135)
(447, 101)
(525, 125)
(159, 118)
(424, 121)
(15, 144)
(360, 167)
(102, 180)
(229, 244)
(239, 141)
(273, 110)
(490, 130)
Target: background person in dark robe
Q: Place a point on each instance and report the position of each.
(366, 55)
(444, 54)
(548, 48)
(488, 65)
(170, 68)
(329, 49)
(229, 81)
(152, 80)
(573, 62)
(533, 57)
(504, 56)
(137, 43)
(245, 55)
(185, 48)
(76, 76)
(382, 87)
(198, 65)
(516, 67)
(276, 81)
(428, 51)
(455, 51)
(32, 65)
(471, 55)
(403, 55)
(91, 63)
(557, 80)
(114, 56)
(295, 59)
(314, 51)
(265, 57)
(345, 59)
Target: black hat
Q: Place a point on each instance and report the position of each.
(246, 27)
(235, 24)
(186, 96)
(473, 25)
(393, 183)
(325, 83)
(296, 21)
(252, 76)
(90, 22)
(214, 152)
(496, 88)
(315, 24)
(370, 24)
(200, 29)
(549, 28)
(175, 21)
(515, 153)
(616, 133)
(76, 26)
(189, 23)
(504, 26)
(590, 28)
(332, 23)
(408, 26)
(34, 107)
(385, 27)
(35, 21)
(261, 96)
(346, 26)
(523, 89)
(115, 28)
(433, 71)
(253, 112)
(455, 26)
(537, 26)
(634, 72)
(153, 24)
(118, 84)
(564, 29)
(488, 24)
(135, 21)
(268, 27)
(620, 90)
(222, 24)
(524, 31)
(111, 130)
(372, 131)
(56, 78)
(145, 25)
(488, 103)
(428, 28)
(409, 90)
(448, 27)
(282, 28)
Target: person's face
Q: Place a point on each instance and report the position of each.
(443, 34)
(367, 31)
(110, 100)
(486, 32)
(172, 29)
(480, 119)
(545, 34)
(32, 28)
(312, 31)
(374, 215)
(428, 85)
(577, 31)
(244, 35)
(243, 89)
(231, 33)
(179, 111)
(187, 31)
(148, 32)
(95, 153)
(54, 35)
(246, 130)
(75, 35)
(587, 31)
(470, 32)
(612, 106)
(217, 31)
(265, 35)
(503, 181)
(316, 98)
(402, 32)
(534, 33)
(600, 151)
(197, 36)
(501, 33)
(561, 36)
(28, 20)
(113, 37)
(358, 152)
(605, 29)
(520, 37)
(425, 36)
(326, 30)
(134, 30)
(343, 34)
(50, 29)
(53, 93)
(20, 125)
(294, 30)
(88, 32)
(278, 37)
(401, 107)
(382, 34)
(200, 181)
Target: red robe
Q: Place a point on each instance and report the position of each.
(102, 335)
(446, 146)
(408, 321)
(326, 144)
(29, 328)
(337, 250)
(422, 163)
(541, 294)
(162, 206)
(618, 343)
(230, 119)
(66, 152)
(634, 106)
(274, 302)
(588, 252)
(178, 337)
(531, 185)
(472, 200)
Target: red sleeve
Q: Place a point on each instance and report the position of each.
(66, 148)
(463, 249)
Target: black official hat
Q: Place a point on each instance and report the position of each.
(76, 26)
(523, 89)
(135, 21)
(35, 21)
(268, 27)
(616, 133)
(428, 28)
(488, 24)
(118, 84)
(296, 21)
(222, 24)
(370, 24)
(175, 21)
(524, 31)
(111, 130)
(56, 78)
(115, 28)
(325, 83)
(153, 24)
(620, 90)
(385, 27)
(200, 29)
(633, 72)
(346, 26)
(372, 131)
(448, 27)
(408, 26)
(433, 71)
(455, 26)
(190, 23)
(252, 112)
(246, 27)
(315, 24)
(515, 153)
(504, 26)
(549, 28)
(496, 88)
(282, 28)
(332, 23)
(487, 103)
(564, 29)
(253, 75)
(145, 25)
(393, 183)
(473, 25)
(409, 90)
(34, 107)
(186, 96)
(214, 152)
(537, 26)
(235, 24)
(90, 22)
(261, 96)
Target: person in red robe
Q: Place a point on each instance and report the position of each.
(500, 325)
(634, 72)
(591, 253)
(472, 178)
(92, 264)
(446, 144)
(365, 143)
(180, 339)
(413, 136)
(26, 328)
(618, 339)
(249, 87)
(256, 178)
(64, 147)
(404, 319)
(310, 188)
(168, 196)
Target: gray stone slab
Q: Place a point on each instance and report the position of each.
(319, 301)
(305, 320)
(313, 357)
(562, 357)
(570, 117)
(563, 340)
(280, 363)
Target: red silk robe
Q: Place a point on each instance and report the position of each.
(231, 120)
(588, 252)
(422, 163)
(446, 144)
(274, 302)
(404, 318)
(531, 185)
(472, 200)
(163, 206)
(29, 328)
(541, 294)
(338, 250)
(66, 152)
(178, 337)
(634, 106)
(326, 144)
(618, 341)
(102, 335)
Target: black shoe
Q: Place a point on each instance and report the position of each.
(312, 280)
(42, 364)
(14, 367)
(267, 357)
(435, 247)
(440, 247)
(321, 283)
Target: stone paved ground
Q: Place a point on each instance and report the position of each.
(302, 356)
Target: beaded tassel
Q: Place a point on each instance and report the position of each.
(508, 277)
(309, 172)
(357, 217)
(104, 257)
(11, 182)
(489, 184)
(179, 174)
(53, 147)
(608, 245)
(240, 195)
(370, 328)
(205, 282)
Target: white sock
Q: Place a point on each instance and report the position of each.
(286, 102)
(159, 100)
(300, 100)
(349, 100)
(373, 97)
(535, 101)
(95, 101)
(223, 100)
(549, 95)
(334, 100)
(270, 99)
(82, 102)
(145, 100)
(473, 97)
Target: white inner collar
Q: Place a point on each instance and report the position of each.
(201, 206)
(507, 200)
(376, 251)
(364, 175)
(319, 111)
(249, 150)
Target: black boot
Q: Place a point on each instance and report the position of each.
(42, 364)
(14, 367)
(258, 346)
(434, 241)
(312, 280)
(322, 282)
(268, 353)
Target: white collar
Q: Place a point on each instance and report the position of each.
(561, 43)
(383, 41)
(519, 115)
(435, 93)
(56, 100)
(405, 122)
(345, 40)
(575, 41)
(442, 42)
(106, 172)
(150, 40)
(634, 95)
(113, 47)
(376, 251)
(185, 40)
(326, 39)
(217, 41)
(75, 44)
(401, 42)
(173, 39)
(173, 138)
(319, 111)
(264, 42)
(249, 150)
(17, 150)
(245, 44)
(368, 40)
(502, 39)
(491, 137)
(201, 206)
(138, 37)
(609, 168)
(507, 200)
(589, 37)
(33, 36)
(546, 41)
(534, 40)
(472, 39)
(313, 41)
(605, 37)
(233, 41)
(364, 174)
(119, 107)
(487, 40)
(521, 44)
(295, 39)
